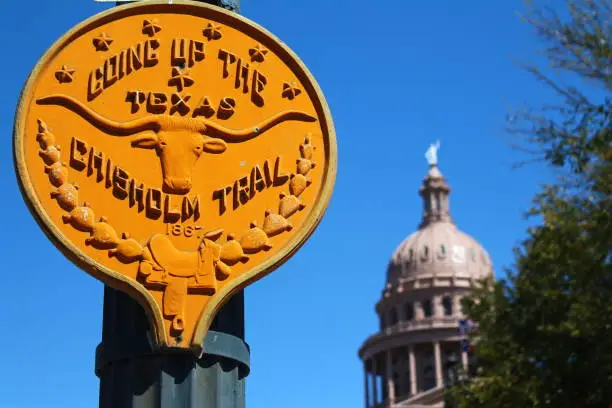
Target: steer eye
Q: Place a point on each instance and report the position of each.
(163, 144)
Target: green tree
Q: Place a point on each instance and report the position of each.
(545, 336)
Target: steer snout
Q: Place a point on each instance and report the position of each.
(178, 185)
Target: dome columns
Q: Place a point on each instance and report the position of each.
(438, 364)
(457, 304)
(437, 306)
(419, 313)
(389, 374)
(390, 383)
(375, 381)
(413, 378)
(399, 373)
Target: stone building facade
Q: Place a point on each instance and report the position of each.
(419, 310)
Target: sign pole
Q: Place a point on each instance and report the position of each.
(132, 374)
(197, 155)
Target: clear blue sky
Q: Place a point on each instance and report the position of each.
(397, 75)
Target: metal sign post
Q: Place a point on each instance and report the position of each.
(133, 374)
(177, 152)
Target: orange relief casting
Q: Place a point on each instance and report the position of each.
(169, 151)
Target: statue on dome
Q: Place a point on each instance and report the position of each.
(432, 153)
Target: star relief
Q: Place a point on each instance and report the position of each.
(212, 31)
(65, 74)
(151, 27)
(180, 78)
(258, 53)
(102, 42)
(290, 90)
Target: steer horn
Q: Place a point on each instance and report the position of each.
(160, 122)
(232, 135)
(102, 123)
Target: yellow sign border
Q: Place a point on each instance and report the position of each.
(119, 281)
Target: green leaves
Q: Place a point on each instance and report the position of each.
(545, 336)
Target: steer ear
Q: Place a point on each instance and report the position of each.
(212, 145)
(145, 142)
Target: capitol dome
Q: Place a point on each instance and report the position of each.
(438, 248)
(406, 362)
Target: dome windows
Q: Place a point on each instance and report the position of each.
(425, 253)
(442, 252)
(409, 311)
(458, 254)
(439, 249)
(427, 308)
(392, 317)
(447, 305)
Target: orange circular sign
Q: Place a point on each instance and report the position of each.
(177, 152)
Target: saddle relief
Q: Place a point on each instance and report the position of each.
(177, 273)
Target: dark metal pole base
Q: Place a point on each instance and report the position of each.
(133, 375)
(173, 381)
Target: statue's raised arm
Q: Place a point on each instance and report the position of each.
(432, 153)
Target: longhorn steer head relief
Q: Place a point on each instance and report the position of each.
(178, 141)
